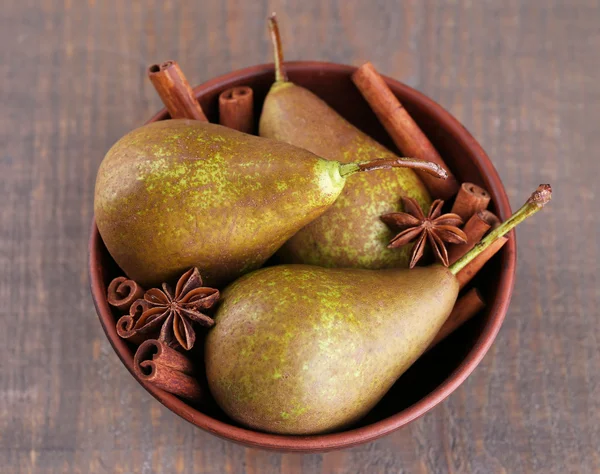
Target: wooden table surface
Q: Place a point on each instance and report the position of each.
(522, 75)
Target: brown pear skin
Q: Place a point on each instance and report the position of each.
(300, 350)
(177, 194)
(350, 234)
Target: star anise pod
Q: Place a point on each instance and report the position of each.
(437, 229)
(175, 312)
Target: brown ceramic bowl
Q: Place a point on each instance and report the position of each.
(435, 375)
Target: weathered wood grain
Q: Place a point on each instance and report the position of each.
(522, 75)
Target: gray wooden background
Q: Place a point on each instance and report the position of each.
(523, 76)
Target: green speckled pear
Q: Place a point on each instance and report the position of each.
(299, 349)
(350, 234)
(177, 194)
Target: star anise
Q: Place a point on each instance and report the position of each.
(175, 312)
(435, 228)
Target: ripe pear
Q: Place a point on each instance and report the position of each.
(350, 234)
(177, 194)
(299, 349)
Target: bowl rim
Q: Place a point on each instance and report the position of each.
(365, 434)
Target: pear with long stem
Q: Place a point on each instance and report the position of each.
(350, 234)
(177, 194)
(299, 349)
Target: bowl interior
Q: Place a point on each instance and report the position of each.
(437, 373)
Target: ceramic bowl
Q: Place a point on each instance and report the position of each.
(440, 371)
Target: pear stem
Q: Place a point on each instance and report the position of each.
(413, 163)
(280, 74)
(537, 200)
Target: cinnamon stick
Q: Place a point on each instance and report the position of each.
(167, 369)
(465, 308)
(475, 229)
(401, 127)
(470, 199)
(122, 292)
(127, 327)
(465, 275)
(236, 109)
(175, 91)
(492, 219)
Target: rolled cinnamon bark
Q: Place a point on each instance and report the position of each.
(167, 369)
(470, 199)
(122, 292)
(401, 127)
(236, 109)
(126, 325)
(466, 274)
(465, 308)
(175, 91)
(492, 219)
(475, 229)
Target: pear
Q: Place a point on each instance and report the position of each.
(177, 194)
(350, 234)
(299, 349)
